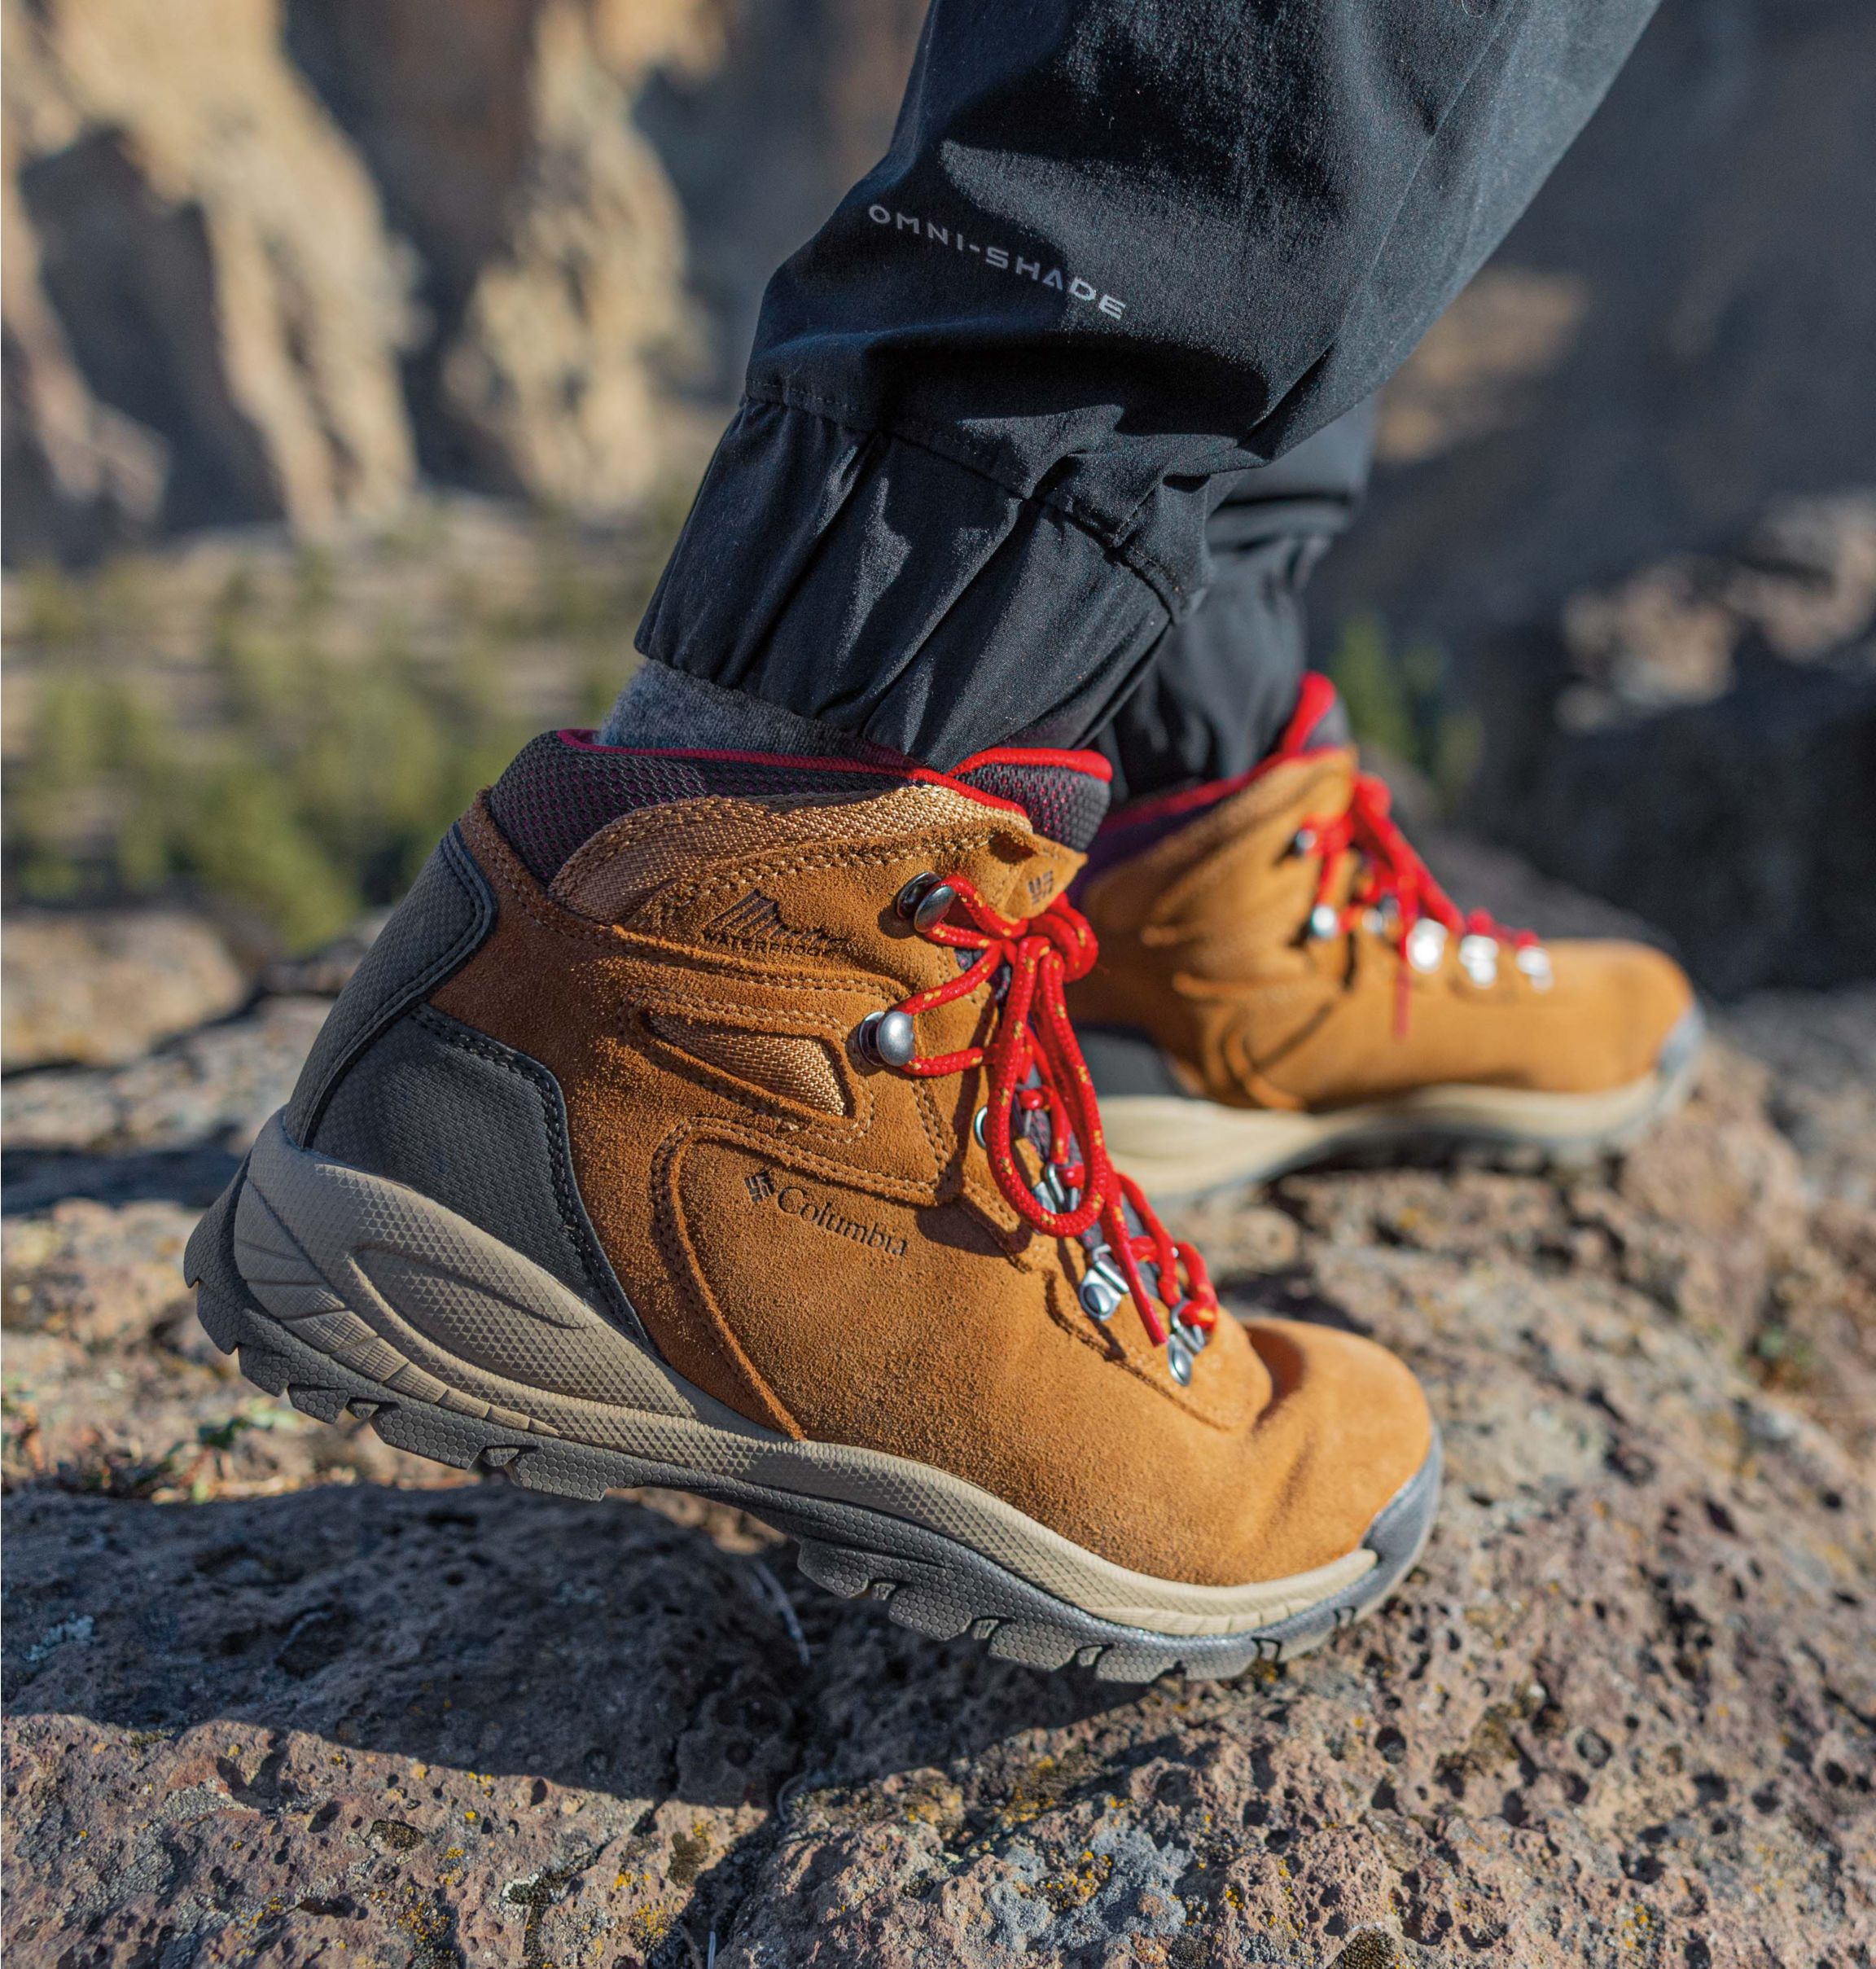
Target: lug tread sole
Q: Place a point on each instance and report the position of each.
(937, 1586)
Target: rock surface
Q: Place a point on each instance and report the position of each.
(102, 988)
(1700, 739)
(173, 1124)
(278, 1694)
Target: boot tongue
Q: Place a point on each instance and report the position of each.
(1064, 793)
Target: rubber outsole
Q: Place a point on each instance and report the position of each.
(938, 1586)
(1180, 1146)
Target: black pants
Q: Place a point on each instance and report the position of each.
(1006, 412)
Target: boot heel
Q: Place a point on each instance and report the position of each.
(278, 1360)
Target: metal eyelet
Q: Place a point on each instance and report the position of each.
(1185, 1342)
(1324, 922)
(888, 1037)
(923, 901)
(1427, 944)
(1534, 961)
(932, 906)
(907, 900)
(1303, 840)
(1478, 959)
(1102, 1287)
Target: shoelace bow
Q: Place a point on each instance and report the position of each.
(1392, 873)
(1033, 1063)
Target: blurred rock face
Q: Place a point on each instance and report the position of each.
(501, 137)
(266, 253)
(1673, 337)
(260, 260)
(102, 989)
(202, 309)
(1699, 740)
(797, 108)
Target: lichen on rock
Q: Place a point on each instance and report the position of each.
(277, 1692)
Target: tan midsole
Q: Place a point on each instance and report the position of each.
(405, 1292)
(1169, 1144)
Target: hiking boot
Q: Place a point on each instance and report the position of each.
(1281, 980)
(713, 1121)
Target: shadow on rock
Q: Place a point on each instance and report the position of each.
(599, 1646)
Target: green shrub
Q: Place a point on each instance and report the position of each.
(318, 790)
(303, 736)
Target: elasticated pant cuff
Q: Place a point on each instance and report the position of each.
(865, 581)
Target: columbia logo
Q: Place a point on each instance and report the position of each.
(791, 1200)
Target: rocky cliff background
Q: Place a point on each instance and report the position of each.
(359, 357)
(282, 259)
(273, 261)
(312, 264)
(285, 260)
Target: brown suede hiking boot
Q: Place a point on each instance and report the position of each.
(1281, 979)
(684, 1128)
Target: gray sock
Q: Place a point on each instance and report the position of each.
(665, 710)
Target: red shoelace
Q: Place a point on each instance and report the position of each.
(1391, 875)
(1033, 1063)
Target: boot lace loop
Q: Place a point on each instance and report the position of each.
(1035, 1071)
(1392, 882)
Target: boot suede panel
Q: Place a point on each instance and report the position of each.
(857, 1277)
(1202, 946)
(902, 1348)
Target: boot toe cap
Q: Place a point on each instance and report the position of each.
(1633, 1010)
(1353, 1428)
